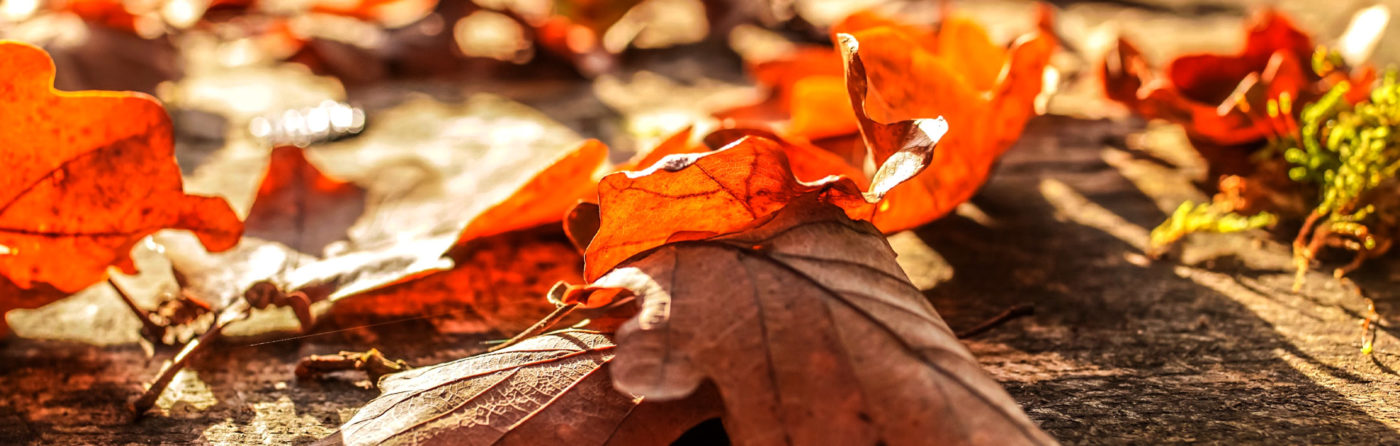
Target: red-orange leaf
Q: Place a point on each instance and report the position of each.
(907, 72)
(553, 192)
(546, 197)
(985, 92)
(88, 175)
(301, 207)
(698, 196)
(1222, 99)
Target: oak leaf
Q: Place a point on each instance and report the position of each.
(551, 389)
(703, 195)
(797, 313)
(90, 174)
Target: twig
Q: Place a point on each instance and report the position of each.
(372, 362)
(151, 329)
(148, 398)
(539, 327)
(1005, 316)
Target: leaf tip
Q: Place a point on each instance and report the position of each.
(933, 129)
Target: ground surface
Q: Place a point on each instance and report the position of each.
(1208, 345)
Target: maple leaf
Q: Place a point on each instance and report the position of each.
(552, 389)
(69, 206)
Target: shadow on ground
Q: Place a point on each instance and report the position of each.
(1122, 349)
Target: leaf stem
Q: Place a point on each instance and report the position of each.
(148, 398)
(539, 327)
(150, 328)
(1014, 312)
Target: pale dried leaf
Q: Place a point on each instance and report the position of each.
(551, 389)
(812, 334)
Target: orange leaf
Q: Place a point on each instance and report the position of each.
(912, 82)
(699, 196)
(553, 192)
(985, 91)
(546, 197)
(376, 10)
(90, 174)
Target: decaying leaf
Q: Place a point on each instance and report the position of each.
(797, 313)
(299, 206)
(812, 334)
(68, 205)
(552, 389)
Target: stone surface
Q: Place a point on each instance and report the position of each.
(1208, 345)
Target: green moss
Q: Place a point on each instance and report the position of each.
(1191, 217)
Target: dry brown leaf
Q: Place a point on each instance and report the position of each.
(551, 389)
(812, 334)
(299, 206)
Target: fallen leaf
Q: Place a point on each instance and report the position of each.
(390, 13)
(697, 196)
(545, 197)
(69, 206)
(552, 389)
(299, 206)
(899, 72)
(413, 211)
(1223, 99)
(756, 310)
(987, 106)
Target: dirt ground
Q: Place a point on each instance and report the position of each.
(1207, 345)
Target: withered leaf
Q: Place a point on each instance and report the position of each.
(551, 389)
(69, 206)
(812, 334)
(418, 202)
(697, 196)
(795, 310)
(299, 206)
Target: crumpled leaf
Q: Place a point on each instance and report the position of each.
(899, 72)
(757, 311)
(698, 196)
(418, 202)
(69, 206)
(426, 244)
(1223, 99)
(552, 389)
(986, 93)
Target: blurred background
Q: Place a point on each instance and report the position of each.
(393, 95)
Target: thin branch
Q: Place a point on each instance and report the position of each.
(996, 321)
(540, 327)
